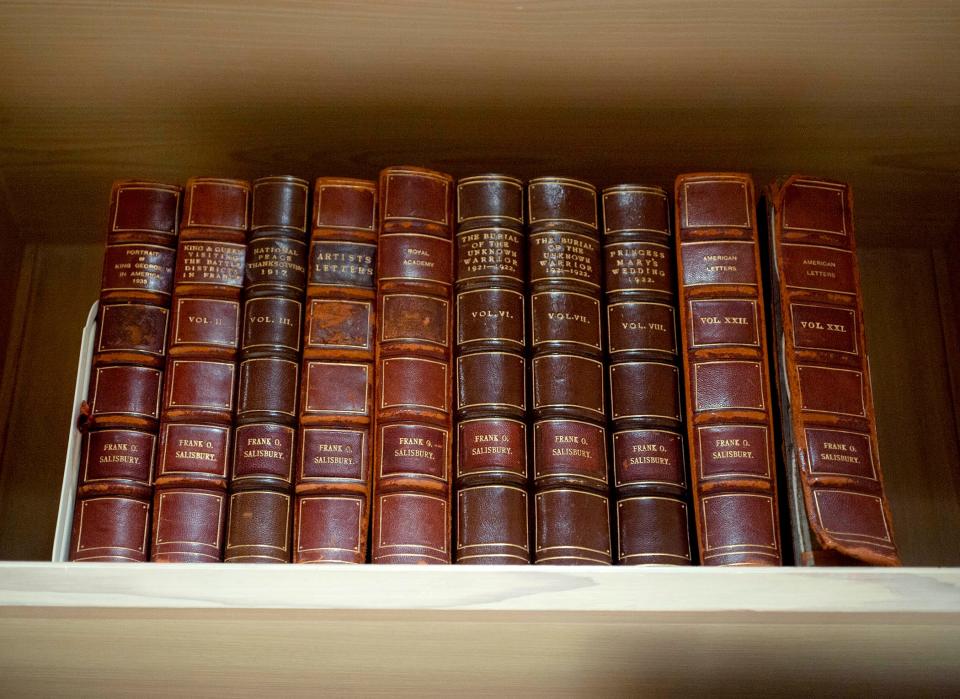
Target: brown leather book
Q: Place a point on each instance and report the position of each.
(112, 516)
(649, 471)
(264, 442)
(491, 499)
(198, 392)
(839, 513)
(729, 426)
(332, 509)
(571, 485)
(414, 395)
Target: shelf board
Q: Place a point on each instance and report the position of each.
(626, 590)
(240, 629)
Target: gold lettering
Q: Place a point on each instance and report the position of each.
(263, 453)
(732, 454)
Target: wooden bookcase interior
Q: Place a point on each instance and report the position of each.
(608, 92)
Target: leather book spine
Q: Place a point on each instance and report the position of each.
(649, 470)
(570, 471)
(198, 405)
(492, 503)
(332, 507)
(839, 513)
(264, 441)
(727, 377)
(414, 395)
(112, 516)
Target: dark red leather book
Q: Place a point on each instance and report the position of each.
(332, 508)
(414, 395)
(649, 470)
(570, 472)
(112, 516)
(729, 426)
(491, 498)
(198, 391)
(264, 442)
(839, 513)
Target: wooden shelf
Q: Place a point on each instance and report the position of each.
(237, 629)
(607, 91)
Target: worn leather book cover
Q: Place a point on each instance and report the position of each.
(332, 507)
(839, 513)
(112, 516)
(649, 468)
(570, 470)
(414, 394)
(198, 408)
(264, 441)
(727, 376)
(492, 502)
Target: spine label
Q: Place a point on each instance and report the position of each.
(193, 449)
(564, 256)
(718, 263)
(138, 268)
(840, 452)
(717, 322)
(119, 454)
(727, 451)
(275, 261)
(641, 326)
(818, 268)
(818, 327)
(648, 456)
(569, 448)
(338, 263)
(489, 252)
(490, 315)
(492, 445)
(333, 453)
(271, 322)
(566, 316)
(206, 322)
(263, 450)
(210, 262)
(638, 266)
(410, 256)
(415, 450)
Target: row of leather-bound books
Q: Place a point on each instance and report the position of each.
(484, 370)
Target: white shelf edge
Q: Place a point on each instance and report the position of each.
(933, 591)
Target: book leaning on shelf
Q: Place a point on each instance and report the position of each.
(839, 513)
(114, 492)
